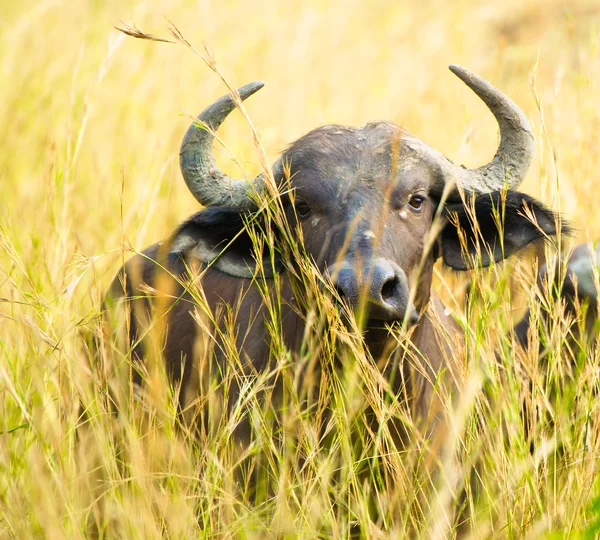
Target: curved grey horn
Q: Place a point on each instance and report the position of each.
(205, 180)
(514, 154)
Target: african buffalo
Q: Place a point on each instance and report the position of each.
(365, 202)
(574, 282)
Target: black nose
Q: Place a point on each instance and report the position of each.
(382, 286)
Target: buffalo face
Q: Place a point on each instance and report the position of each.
(365, 208)
(374, 205)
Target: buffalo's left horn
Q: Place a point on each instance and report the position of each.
(205, 180)
(514, 154)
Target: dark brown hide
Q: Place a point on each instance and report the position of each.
(360, 197)
(372, 208)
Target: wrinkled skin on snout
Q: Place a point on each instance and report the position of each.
(365, 201)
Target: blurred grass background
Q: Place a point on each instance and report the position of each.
(92, 122)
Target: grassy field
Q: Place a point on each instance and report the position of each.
(92, 122)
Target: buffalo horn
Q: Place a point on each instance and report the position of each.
(513, 157)
(209, 185)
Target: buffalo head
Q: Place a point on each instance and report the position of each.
(366, 200)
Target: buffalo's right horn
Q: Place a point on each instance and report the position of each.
(209, 185)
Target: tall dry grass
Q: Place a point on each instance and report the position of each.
(91, 128)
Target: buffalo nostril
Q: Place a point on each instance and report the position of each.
(389, 288)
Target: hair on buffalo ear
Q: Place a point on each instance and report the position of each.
(220, 236)
(493, 226)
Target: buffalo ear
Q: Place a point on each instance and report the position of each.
(494, 226)
(220, 237)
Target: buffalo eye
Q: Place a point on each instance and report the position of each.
(303, 210)
(416, 202)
